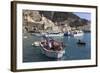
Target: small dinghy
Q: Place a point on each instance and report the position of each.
(36, 43)
(81, 43)
(25, 37)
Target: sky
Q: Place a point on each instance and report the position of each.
(83, 15)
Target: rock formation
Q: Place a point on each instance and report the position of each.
(55, 21)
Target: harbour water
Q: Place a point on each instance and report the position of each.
(72, 50)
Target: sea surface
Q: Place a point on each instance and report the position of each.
(72, 50)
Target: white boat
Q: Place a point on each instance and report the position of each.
(53, 34)
(48, 34)
(25, 37)
(36, 43)
(51, 53)
(36, 34)
(77, 33)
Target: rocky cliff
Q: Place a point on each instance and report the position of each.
(50, 19)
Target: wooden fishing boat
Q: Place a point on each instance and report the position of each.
(52, 53)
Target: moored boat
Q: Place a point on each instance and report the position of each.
(77, 33)
(36, 34)
(54, 34)
(36, 43)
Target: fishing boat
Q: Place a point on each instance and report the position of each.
(25, 37)
(36, 43)
(52, 34)
(81, 43)
(52, 53)
(77, 33)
